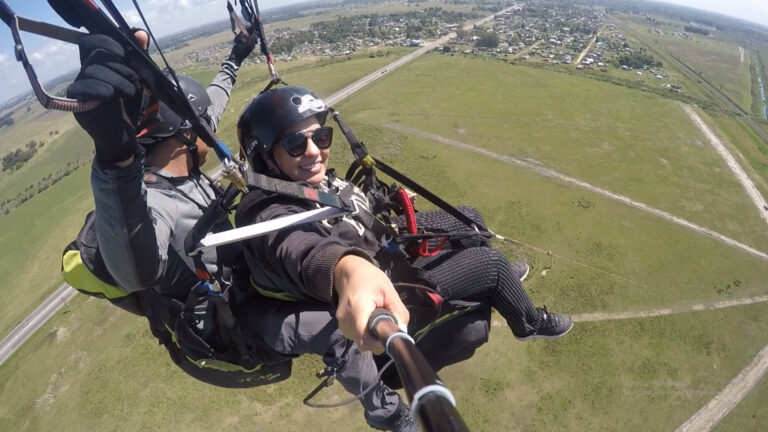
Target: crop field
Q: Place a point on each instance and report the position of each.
(717, 61)
(71, 147)
(35, 124)
(543, 155)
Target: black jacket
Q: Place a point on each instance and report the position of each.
(298, 262)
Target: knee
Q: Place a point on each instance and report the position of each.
(472, 213)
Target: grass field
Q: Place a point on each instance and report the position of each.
(51, 127)
(603, 137)
(93, 367)
(749, 414)
(752, 149)
(640, 36)
(32, 238)
(73, 146)
(639, 374)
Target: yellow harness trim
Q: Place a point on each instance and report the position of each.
(272, 294)
(76, 274)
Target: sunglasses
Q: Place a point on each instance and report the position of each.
(296, 144)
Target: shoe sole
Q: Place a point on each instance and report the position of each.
(537, 336)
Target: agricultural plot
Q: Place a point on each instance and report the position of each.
(639, 37)
(722, 64)
(69, 150)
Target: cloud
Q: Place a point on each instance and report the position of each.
(4, 60)
(56, 54)
(170, 16)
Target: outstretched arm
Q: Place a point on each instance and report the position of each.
(362, 287)
(123, 223)
(221, 87)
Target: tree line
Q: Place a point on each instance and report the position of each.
(6, 120)
(17, 158)
(10, 204)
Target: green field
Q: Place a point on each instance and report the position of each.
(749, 414)
(603, 137)
(94, 367)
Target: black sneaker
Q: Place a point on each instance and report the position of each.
(551, 326)
(400, 421)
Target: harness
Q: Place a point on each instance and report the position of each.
(393, 199)
(200, 330)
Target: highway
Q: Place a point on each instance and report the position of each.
(35, 320)
(65, 293)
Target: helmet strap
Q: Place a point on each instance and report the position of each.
(191, 144)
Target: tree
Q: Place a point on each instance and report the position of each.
(487, 39)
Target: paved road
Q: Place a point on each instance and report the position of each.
(40, 315)
(35, 320)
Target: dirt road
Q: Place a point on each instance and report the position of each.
(608, 316)
(734, 166)
(711, 414)
(537, 168)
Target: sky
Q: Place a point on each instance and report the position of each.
(51, 58)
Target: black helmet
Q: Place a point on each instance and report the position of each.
(272, 112)
(165, 123)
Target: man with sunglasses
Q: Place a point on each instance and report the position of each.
(337, 264)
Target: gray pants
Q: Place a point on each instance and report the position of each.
(295, 328)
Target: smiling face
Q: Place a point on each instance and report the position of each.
(310, 166)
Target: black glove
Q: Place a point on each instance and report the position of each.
(105, 76)
(243, 46)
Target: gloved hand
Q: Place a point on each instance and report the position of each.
(242, 46)
(104, 76)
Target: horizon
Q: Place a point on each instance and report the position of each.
(50, 57)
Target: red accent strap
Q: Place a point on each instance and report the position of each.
(410, 215)
(437, 300)
(203, 274)
(424, 247)
(410, 219)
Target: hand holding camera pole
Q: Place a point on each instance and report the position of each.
(431, 402)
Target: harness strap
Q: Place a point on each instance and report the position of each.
(443, 205)
(362, 158)
(295, 190)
